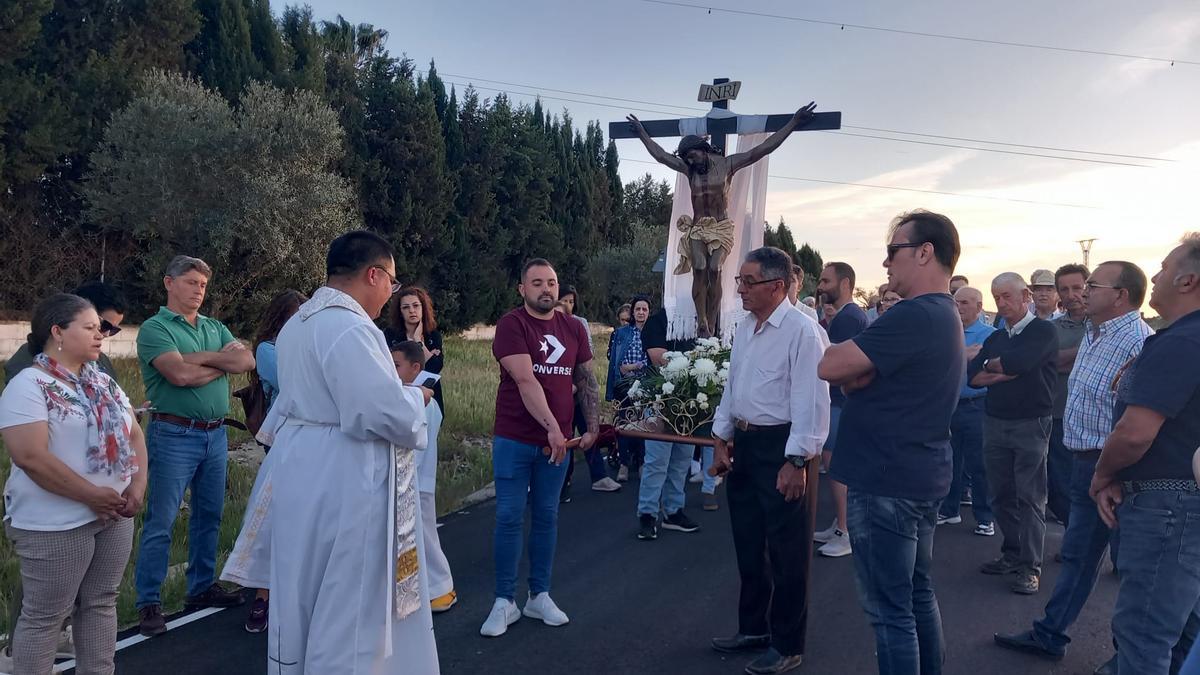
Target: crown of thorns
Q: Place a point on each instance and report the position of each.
(689, 143)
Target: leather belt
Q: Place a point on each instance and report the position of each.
(1162, 485)
(206, 425)
(743, 425)
(1087, 454)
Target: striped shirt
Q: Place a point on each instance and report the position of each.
(1089, 415)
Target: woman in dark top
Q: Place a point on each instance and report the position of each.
(412, 318)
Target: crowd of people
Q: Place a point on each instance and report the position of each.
(1065, 406)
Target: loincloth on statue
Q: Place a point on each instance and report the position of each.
(716, 235)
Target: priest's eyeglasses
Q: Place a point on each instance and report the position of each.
(396, 285)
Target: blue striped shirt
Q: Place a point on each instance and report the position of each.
(1090, 397)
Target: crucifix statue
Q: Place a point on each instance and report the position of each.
(709, 232)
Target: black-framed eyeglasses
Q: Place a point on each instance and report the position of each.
(108, 329)
(892, 248)
(396, 285)
(750, 283)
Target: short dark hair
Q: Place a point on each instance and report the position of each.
(411, 350)
(960, 277)
(843, 271)
(1132, 279)
(932, 228)
(104, 297)
(564, 291)
(59, 310)
(1070, 268)
(774, 262)
(355, 251)
(534, 262)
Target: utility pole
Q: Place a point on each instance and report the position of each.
(1086, 246)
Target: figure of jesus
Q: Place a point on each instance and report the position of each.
(708, 233)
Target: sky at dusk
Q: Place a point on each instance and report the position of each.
(658, 54)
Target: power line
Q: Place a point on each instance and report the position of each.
(844, 126)
(997, 150)
(906, 189)
(538, 94)
(941, 36)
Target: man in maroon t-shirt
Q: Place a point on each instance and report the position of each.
(542, 353)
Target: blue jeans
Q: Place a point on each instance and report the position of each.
(181, 457)
(1058, 476)
(893, 559)
(525, 476)
(1155, 620)
(709, 485)
(966, 438)
(663, 477)
(1083, 547)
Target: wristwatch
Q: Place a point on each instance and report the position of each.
(797, 461)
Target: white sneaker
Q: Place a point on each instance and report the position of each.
(826, 535)
(838, 546)
(948, 520)
(504, 614)
(540, 606)
(697, 477)
(606, 484)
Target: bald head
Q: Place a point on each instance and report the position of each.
(970, 304)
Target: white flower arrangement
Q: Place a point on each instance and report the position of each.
(682, 396)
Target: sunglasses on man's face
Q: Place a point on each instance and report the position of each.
(893, 248)
(107, 329)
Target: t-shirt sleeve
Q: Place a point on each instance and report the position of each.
(1166, 377)
(22, 402)
(225, 333)
(153, 341)
(509, 339)
(894, 338)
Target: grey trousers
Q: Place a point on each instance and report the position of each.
(1014, 452)
(87, 561)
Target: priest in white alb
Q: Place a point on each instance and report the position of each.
(348, 587)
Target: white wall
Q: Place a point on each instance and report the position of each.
(121, 345)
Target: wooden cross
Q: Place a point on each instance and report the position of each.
(719, 122)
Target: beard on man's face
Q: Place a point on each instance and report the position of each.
(543, 302)
(700, 167)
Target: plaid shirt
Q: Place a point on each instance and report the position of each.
(1090, 396)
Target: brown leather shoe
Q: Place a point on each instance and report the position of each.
(215, 596)
(152, 622)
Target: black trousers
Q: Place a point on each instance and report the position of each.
(773, 539)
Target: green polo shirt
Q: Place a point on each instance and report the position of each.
(169, 332)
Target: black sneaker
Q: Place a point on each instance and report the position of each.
(679, 522)
(151, 620)
(215, 596)
(649, 529)
(256, 621)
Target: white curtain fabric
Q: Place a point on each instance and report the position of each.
(747, 208)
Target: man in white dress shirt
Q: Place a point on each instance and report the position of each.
(775, 412)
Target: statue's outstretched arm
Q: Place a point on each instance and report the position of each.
(656, 151)
(742, 160)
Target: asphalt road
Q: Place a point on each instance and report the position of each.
(651, 607)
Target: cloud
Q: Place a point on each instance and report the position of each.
(1165, 34)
